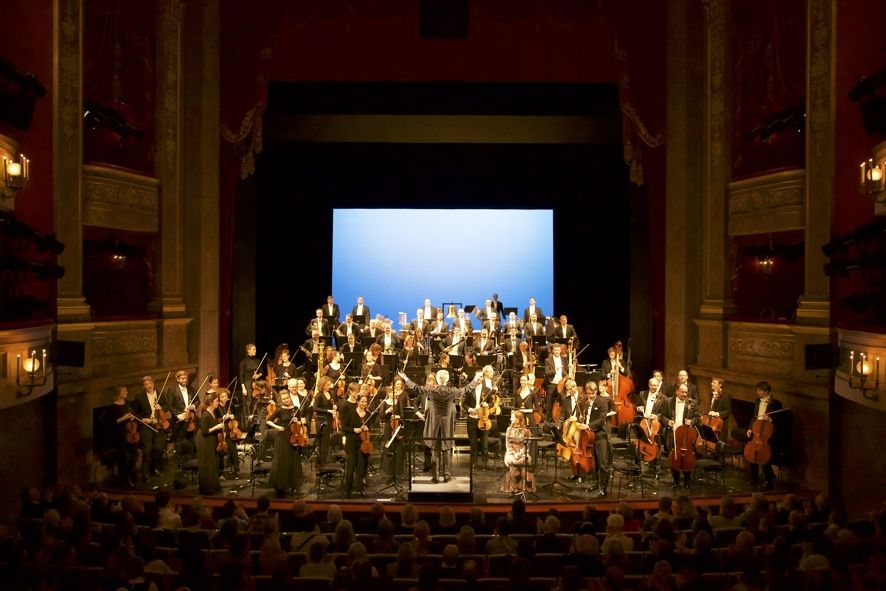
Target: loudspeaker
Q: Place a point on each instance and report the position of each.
(821, 356)
(444, 19)
(70, 353)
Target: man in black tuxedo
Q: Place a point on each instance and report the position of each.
(683, 378)
(348, 327)
(531, 310)
(429, 310)
(721, 405)
(563, 330)
(361, 309)
(438, 330)
(331, 312)
(420, 322)
(596, 419)
(388, 341)
(679, 410)
(650, 403)
(499, 307)
(764, 408)
(152, 441)
(613, 364)
(320, 324)
(182, 399)
(556, 368)
(352, 346)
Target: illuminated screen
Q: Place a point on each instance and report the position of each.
(395, 258)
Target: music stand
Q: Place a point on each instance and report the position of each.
(484, 360)
(456, 361)
(404, 431)
(507, 311)
(359, 319)
(707, 433)
(469, 308)
(355, 360)
(390, 360)
(558, 439)
(327, 340)
(522, 494)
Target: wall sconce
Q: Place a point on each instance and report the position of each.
(119, 261)
(16, 174)
(860, 375)
(34, 368)
(873, 179)
(765, 264)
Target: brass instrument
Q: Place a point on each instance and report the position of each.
(320, 357)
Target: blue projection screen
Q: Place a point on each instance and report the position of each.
(395, 258)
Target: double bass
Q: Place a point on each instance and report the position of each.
(621, 388)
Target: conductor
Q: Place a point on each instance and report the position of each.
(440, 420)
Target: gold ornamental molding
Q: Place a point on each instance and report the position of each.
(768, 203)
(120, 199)
(117, 343)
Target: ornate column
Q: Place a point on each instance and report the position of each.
(67, 142)
(814, 304)
(716, 297)
(168, 299)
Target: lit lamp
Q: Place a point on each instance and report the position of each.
(873, 179)
(860, 374)
(16, 174)
(35, 371)
(765, 262)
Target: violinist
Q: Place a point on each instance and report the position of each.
(356, 428)
(325, 411)
(594, 411)
(207, 443)
(479, 398)
(764, 406)
(286, 468)
(262, 395)
(249, 369)
(183, 405)
(230, 452)
(125, 436)
(677, 411)
(284, 368)
(152, 443)
(333, 367)
(650, 405)
(392, 414)
(556, 369)
(526, 399)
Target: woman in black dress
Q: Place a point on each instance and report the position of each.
(325, 410)
(526, 398)
(354, 424)
(393, 411)
(230, 444)
(124, 438)
(207, 442)
(286, 469)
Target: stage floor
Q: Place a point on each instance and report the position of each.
(480, 484)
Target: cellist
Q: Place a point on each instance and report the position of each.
(677, 411)
(596, 419)
(651, 403)
(764, 407)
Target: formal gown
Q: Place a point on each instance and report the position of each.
(207, 457)
(517, 478)
(286, 469)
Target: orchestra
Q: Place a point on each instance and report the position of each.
(381, 386)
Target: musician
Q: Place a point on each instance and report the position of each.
(354, 425)
(764, 406)
(535, 329)
(319, 323)
(372, 367)
(721, 406)
(513, 323)
(487, 312)
(152, 443)
(286, 469)
(420, 322)
(595, 412)
(331, 313)
(312, 346)
(249, 369)
(676, 411)
(563, 330)
(650, 404)
(484, 345)
(394, 407)
(408, 355)
(470, 367)
(454, 343)
(372, 331)
(429, 310)
(333, 367)
(556, 368)
(522, 360)
(532, 310)
(388, 340)
(352, 346)
(479, 397)
(439, 418)
(182, 402)
(346, 329)
(526, 398)
(438, 330)
(118, 417)
(207, 443)
(325, 411)
(499, 307)
(230, 451)
(284, 368)
(492, 326)
(361, 309)
(463, 323)
(517, 477)
(262, 395)
(683, 379)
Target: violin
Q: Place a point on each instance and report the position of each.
(366, 447)
(222, 446)
(758, 449)
(192, 420)
(297, 435)
(682, 456)
(234, 429)
(132, 434)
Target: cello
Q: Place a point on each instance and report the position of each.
(582, 457)
(716, 425)
(648, 451)
(758, 450)
(682, 456)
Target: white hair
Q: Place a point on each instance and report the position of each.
(443, 377)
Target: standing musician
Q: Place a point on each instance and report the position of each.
(422, 403)
(124, 438)
(361, 310)
(677, 411)
(511, 344)
(526, 399)
(371, 332)
(764, 406)
(429, 310)
(480, 397)
(372, 367)
(513, 323)
(443, 362)
(408, 355)
(183, 404)
(421, 322)
(517, 478)
(532, 310)
(563, 330)
(683, 379)
(392, 415)
(721, 406)
(487, 312)
(152, 442)
(438, 330)
(439, 419)
(356, 429)
(331, 313)
(333, 367)
(286, 469)
(596, 418)
(492, 325)
(484, 345)
(388, 340)
(463, 323)
(651, 403)
(319, 323)
(230, 451)
(207, 443)
(262, 396)
(535, 329)
(284, 368)
(325, 411)
(613, 364)
(556, 368)
(249, 369)
(522, 361)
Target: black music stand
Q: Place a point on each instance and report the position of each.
(405, 432)
(558, 439)
(356, 361)
(531, 452)
(359, 319)
(484, 360)
(456, 361)
(327, 340)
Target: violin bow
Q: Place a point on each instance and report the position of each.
(162, 390)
